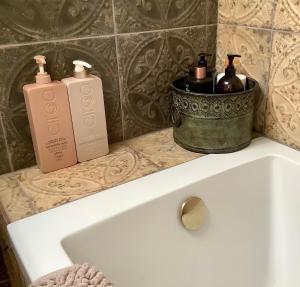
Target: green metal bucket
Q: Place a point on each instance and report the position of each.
(213, 123)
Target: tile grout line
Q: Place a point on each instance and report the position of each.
(268, 85)
(206, 11)
(15, 45)
(114, 16)
(217, 33)
(118, 68)
(6, 145)
(269, 71)
(273, 14)
(218, 9)
(260, 28)
(164, 30)
(120, 87)
(100, 36)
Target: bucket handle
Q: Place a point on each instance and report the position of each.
(175, 117)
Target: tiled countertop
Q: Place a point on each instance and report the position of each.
(29, 191)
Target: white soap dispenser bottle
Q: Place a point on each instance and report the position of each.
(88, 112)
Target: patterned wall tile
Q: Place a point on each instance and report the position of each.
(287, 15)
(248, 12)
(19, 140)
(140, 15)
(4, 164)
(211, 11)
(148, 63)
(17, 68)
(255, 48)
(211, 45)
(283, 110)
(31, 20)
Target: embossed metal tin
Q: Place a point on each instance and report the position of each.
(213, 123)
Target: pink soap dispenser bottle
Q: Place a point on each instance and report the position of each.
(88, 112)
(50, 121)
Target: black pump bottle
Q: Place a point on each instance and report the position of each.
(199, 79)
(200, 71)
(230, 83)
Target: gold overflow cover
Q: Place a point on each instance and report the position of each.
(193, 213)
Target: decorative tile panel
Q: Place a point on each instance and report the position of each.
(287, 15)
(17, 68)
(31, 20)
(211, 46)
(54, 189)
(27, 21)
(283, 112)
(247, 12)
(29, 191)
(255, 48)
(141, 15)
(212, 11)
(161, 149)
(13, 197)
(148, 64)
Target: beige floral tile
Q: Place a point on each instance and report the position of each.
(14, 203)
(247, 12)
(161, 149)
(45, 191)
(29, 191)
(287, 15)
(283, 111)
(255, 48)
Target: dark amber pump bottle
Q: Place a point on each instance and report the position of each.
(230, 83)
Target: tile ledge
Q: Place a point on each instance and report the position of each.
(28, 191)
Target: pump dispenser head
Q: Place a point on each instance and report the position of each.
(230, 69)
(202, 59)
(41, 77)
(80, 71)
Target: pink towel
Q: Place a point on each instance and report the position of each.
(74, 276)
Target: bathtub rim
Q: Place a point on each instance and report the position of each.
(39, 250)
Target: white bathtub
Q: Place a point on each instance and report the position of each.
(251, 237)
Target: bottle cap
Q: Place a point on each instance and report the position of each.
(41, 77)
(80, 71)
